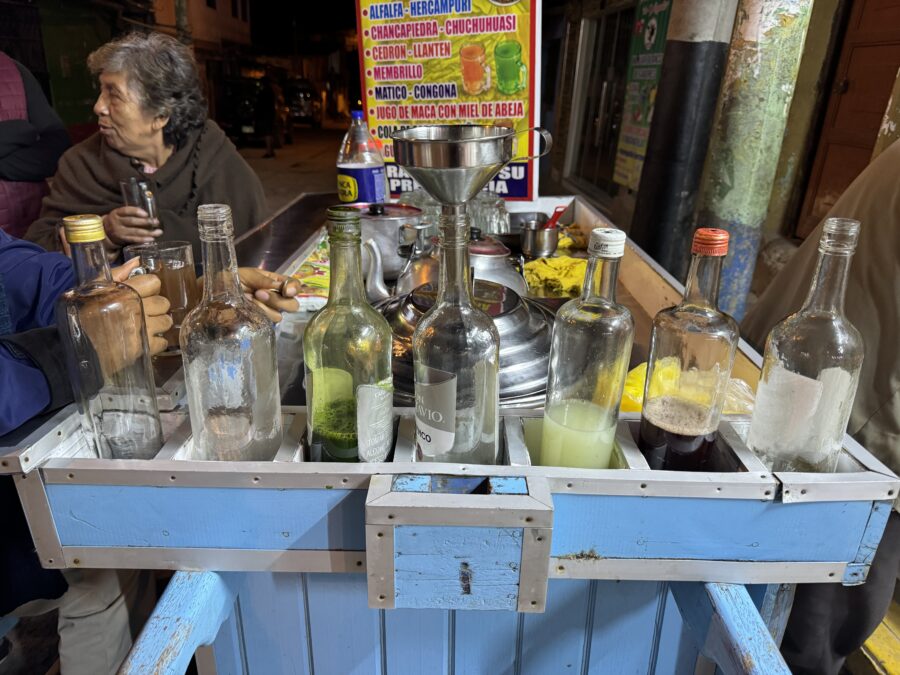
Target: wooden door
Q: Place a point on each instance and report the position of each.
(870, 58)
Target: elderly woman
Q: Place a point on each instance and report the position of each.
(153, 127)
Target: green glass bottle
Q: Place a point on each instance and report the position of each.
(347, 357)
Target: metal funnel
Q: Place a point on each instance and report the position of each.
(453, 162)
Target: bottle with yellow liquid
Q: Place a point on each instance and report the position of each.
(347, 356)
(589, 355)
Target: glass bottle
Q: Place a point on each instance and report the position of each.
(360, 165)
(347, 358)
(692, 347)
(589, 355)
(456, 356)
(811, 368)
(228, 348)
(104, 337)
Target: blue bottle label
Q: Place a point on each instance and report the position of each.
(361, 183)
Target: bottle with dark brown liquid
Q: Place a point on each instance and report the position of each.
(692, 347)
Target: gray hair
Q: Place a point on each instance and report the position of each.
(163, 74)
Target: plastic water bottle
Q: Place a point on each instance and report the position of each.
(360, 166)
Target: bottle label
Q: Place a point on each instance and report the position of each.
(374, 421)
(799, 418)
(361, 184)
(435, 411)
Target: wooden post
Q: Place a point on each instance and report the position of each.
(188, 616)
(747, 134)
(728, 629)
(693, 65)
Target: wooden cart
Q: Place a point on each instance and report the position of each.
(298, 567)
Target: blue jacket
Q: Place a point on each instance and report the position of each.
(33, 380)
(31, 280)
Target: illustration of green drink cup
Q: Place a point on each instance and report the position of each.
(511, 71)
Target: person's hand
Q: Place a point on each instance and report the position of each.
(273, 292)
(130, 225)
(156, 307)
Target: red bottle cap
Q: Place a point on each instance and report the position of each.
(710, 241)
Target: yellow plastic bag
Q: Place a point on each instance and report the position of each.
(738, 399)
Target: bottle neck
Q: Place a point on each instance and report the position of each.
(702, 285)
(600, 279)
(829, 283)
(91, 265)
(455, 287)
(221, 282)
(346, 284)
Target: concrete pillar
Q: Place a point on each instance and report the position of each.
(694, 61)
(889, 132)
(747, 133)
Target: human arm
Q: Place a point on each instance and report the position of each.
(35, 146)
(272, 292)
(31, 281)
(33, 373)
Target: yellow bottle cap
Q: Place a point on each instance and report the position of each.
(84, 229)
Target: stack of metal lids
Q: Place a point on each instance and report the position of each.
(525, 329)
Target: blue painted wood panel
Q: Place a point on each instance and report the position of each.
(228, 648)
(677, 653)
(727, 625)
(554, 642)
(457, 567)
(624, 627)
(417, 641)
(194, 517)
(856, 573)
(706, 529)
(486, 642)
(273, 621)
(346, 634)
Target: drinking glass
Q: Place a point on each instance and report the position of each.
(476, 73)
(511, 71)
(137, 193)
(488, 212)
(173, 263)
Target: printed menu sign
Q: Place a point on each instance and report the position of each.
(648, 42)
(452, 62)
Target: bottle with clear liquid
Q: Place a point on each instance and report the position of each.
(360, 165)
(589, 355)
(347, 358)
(228, 349)
(456, 357)
(692, 348)
(104, 336)
(811, 368)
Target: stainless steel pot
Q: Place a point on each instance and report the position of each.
(539, 241)
(524, 326)
(383, 223)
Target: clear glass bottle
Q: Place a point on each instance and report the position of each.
(228, 348)
(692, 347)
(456, 357)
(589, 355)
(811, 368)
(104, 336)
(347, 358)
(360, 165)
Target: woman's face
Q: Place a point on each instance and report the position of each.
(123, 122)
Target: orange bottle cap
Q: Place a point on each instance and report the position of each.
(710, 241)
